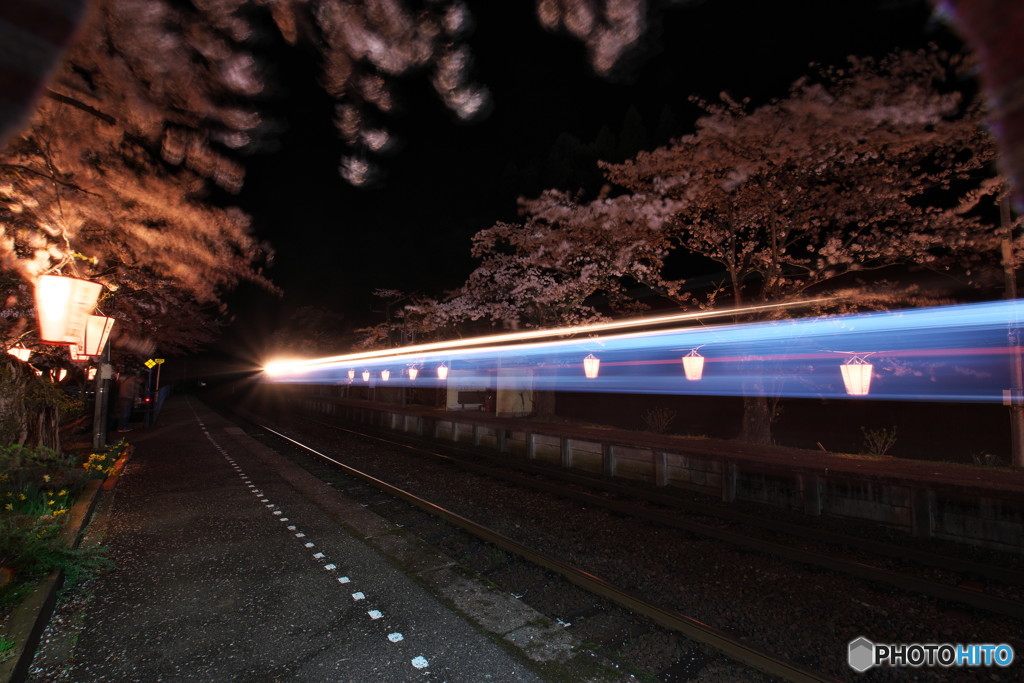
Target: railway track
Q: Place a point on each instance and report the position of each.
(621, 500)
(692, 628)
(637, 503)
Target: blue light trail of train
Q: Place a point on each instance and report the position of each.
(951, 353)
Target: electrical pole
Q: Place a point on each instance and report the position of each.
(1014, 339)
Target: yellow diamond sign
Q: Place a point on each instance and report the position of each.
(150, 363)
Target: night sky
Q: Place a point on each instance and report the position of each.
(448, 180)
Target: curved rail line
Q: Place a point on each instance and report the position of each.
(691, 628)
(942, 591)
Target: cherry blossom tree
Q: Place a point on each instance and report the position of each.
(875, 165)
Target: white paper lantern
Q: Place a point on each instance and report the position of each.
(385, 375)
(693, 365)
(856, 376)
(94, 337)
(442, 372)
(20, 352)
(413, 372)
(591, 366)
(62, 306)
(351, 374)
(366, 375)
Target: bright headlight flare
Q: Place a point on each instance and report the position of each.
(285, 367)
(950, 353)
(491, 340)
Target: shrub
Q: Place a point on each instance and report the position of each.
(659, 420)
(878, 441)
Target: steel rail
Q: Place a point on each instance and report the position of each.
(973, 598)
(688, 626)
(945, 562)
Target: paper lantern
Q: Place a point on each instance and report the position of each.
(62, 306)
(856, 376)
(591, 366)
(385, 375)
(20, 352)
(413, 372)
(442, 372)
(95, 334)
(366, 375)
(351, 374)
(693, 365)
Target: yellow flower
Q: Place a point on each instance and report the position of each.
(50, 502)
(21, 496)
(59, 512)
(63, 492)
(8, 507)
(46, 478)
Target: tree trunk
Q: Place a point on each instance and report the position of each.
(543, 403)
(27, 418)
(758, 415)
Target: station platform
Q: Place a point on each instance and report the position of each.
(231, 563)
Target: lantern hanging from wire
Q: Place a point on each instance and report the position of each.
(62, 304)
(413, 372)
(856, 375)
(366, 375)
(442, 372)
(385, 375)
(20, 352)
(591, 366)
(693, 365)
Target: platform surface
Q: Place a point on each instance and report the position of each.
(227, 570)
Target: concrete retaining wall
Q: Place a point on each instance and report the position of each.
(966, 516)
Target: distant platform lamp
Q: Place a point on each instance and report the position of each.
(591, 366)
(366, 375)
(351, 373)
(693, 365)
(63, 305)
(442, 372)
(857, 375)
(413, 372)
(385, 375)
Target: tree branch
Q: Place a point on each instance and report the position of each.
(81, 105)
(50, 177)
